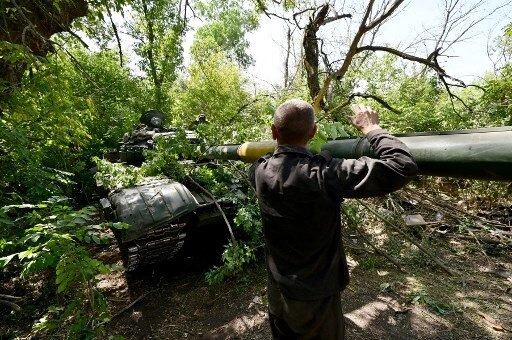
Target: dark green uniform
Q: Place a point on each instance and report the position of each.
(299, 196)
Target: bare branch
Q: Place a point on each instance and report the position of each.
(10, 304)
(233, 239)
(318, 98)
(404, 55)
(30, 25)
(385, 15)
(311, 51)
(363, 95)
(114, 27)
(408, 238)
(377, 99)
(430, 62)
(287, 57)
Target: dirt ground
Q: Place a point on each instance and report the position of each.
(380, 303)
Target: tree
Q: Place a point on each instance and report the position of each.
(215, 88)
(30, 24)
(340, 36)
(229, 23)
(158, 30)
(26, 29)
(49, 135)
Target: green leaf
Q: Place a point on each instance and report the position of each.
(316, 144)
(26, 254)
(6, 259)
(96, 239)
(34, 238)
(63, 285)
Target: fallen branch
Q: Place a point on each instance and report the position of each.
(10, 304)
(398, 230)
(478, 238)
(449, 209)
(128, 307)
(378, 250)
(218, 207)
(363, 95)
(367, 240)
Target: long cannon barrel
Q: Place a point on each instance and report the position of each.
(476, 153)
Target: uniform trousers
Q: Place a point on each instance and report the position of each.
(304, 319)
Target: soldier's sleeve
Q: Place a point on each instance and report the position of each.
(392, 169)
(251, 172)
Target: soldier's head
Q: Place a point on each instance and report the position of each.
(294, 123)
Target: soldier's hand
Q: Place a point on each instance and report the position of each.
(365, 119)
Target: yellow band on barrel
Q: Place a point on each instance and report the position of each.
(251, 151)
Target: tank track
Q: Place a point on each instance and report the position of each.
(160, 244)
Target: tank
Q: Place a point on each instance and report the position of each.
(133, 144)
(473, 153)
(165, 216)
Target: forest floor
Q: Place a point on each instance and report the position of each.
(381, 302)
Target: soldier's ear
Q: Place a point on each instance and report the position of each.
(275, 132)
(313, 132)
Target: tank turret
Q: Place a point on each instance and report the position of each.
(133, 144)
(162, 213)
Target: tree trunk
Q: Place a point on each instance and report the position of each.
(310, 44)
(31, 23)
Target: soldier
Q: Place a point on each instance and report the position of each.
(299, 195)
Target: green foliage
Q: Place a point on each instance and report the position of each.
(248, 218)
(13, 54)
(170, 155)
(421, 297)
(97, 24)
(216, 89)
(159, 31)
(352, 214)
(496, 102)
(327, 131)
(115, 175)
(87, 308)
(228, 182)
(238, 255)
(235, 257)
(368, 262)
(418, 99)
(227, 29)
(48, 137)
(56, 239)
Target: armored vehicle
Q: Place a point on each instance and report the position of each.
(166, 217)
(163, 213)
(132, 145)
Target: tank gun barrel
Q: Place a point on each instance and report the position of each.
(474, 153)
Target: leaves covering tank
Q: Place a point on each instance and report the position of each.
(164, 216)
(133, 144)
